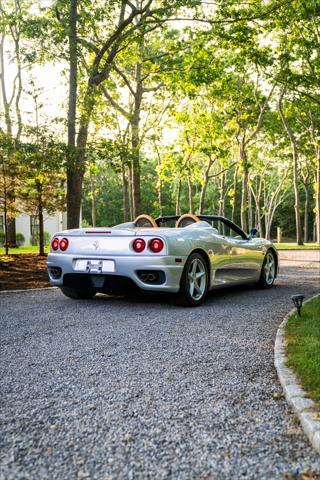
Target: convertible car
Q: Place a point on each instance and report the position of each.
(184, 255)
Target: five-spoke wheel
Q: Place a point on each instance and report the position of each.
(268, 272)
(194, 281)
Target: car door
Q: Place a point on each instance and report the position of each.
(220, 252)
(246, 257)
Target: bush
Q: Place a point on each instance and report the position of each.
(20, 239)
(35, 239)
(2, 239)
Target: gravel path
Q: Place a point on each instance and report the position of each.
(118, 389)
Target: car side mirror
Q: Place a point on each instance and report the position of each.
(253, 233)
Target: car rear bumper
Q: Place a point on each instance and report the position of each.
(125, 268)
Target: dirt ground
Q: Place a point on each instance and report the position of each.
(24, 270)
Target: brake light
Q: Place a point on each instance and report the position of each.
(63, 244)
(156, 245)
(55, 244)
(98, 232)
(139, 245)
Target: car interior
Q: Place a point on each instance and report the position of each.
(221, 225)
(146, 221)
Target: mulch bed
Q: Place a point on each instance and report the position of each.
(23, 270)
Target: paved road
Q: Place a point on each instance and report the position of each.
(119, 389)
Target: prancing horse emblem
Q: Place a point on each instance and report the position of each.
(96, 244)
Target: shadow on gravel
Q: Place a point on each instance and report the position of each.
(169, 299)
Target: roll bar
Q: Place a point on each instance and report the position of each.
(161, 220)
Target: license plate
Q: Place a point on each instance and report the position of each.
(95, 266)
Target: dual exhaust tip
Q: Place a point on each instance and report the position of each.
(151, 277)
(148, 277)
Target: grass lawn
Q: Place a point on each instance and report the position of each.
(303, 347)
(294, 246)
(23, 249)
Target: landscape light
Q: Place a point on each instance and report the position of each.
(297, 301)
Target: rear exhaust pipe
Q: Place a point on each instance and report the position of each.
(151, 277)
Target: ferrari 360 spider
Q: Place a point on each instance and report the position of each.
(184, 255)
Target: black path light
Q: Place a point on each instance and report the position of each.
(298, 300)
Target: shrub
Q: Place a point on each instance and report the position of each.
(35, 239)
(2, 239)
(20, 239)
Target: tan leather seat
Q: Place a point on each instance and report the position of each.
(145, 221)
(186, 219)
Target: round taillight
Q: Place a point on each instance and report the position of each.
(64, 243)
(139, 245)
(55, 244)
(156, 245)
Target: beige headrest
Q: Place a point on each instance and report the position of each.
(184, 219)
(145, 221)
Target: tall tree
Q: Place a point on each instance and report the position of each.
(73, 174)
(13, 17)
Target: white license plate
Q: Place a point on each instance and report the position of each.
(95, 266)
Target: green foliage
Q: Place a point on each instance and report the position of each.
(34, 240)
(20, 238)
(42, 159)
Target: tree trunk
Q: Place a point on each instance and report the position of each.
(5, 207)
(317, 206)
(202, 196)
(74, 194)
(244, 192)
(11, 223)
(130, 193)
(76, 165)
(125, 198)
(135, 142)
(222, 188)
(160, 193)
(93, 201)
(190, 194)
(6, 243)
(295, 158)
(234, 200)
(250, 209)
(257, 200)
(296, 195)
(19, 89)
(74, 176)
(41, 226)
(6, 105)
(178, 207)
(306, 213)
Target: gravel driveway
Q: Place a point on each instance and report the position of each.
(119, 389)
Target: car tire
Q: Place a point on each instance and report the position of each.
(78, 294)
(194, 282)
(268, 270)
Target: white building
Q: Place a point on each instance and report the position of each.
(28, 225)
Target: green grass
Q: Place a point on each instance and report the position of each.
(294, 246)
(24, 249)
(303, 347)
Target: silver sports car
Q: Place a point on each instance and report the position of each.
(185, 255)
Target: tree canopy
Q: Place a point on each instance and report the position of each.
(168, 107)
